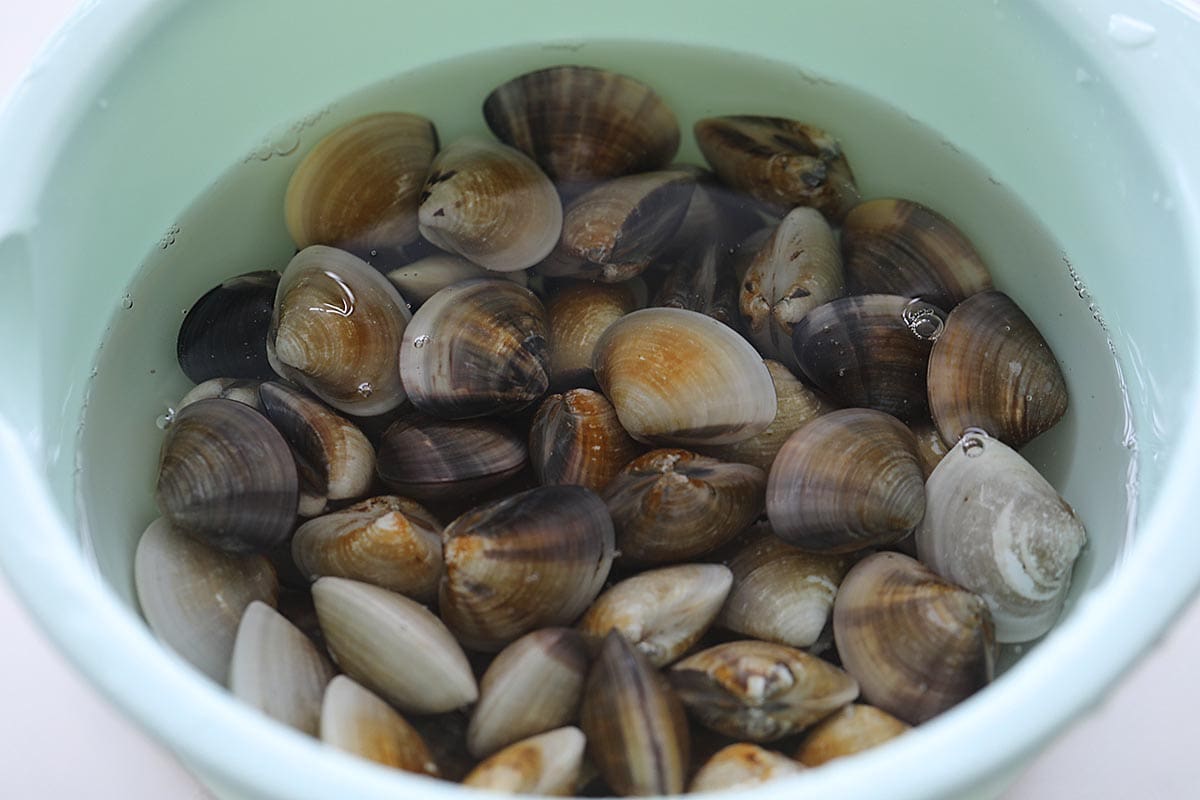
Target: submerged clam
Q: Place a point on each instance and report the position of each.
(355, 720)
(742, 766)
(224, 334)
(577, 439)
(546, 764)
(422, 279)
(243, 391)
(702, 279)
(577, 315)
(853, 729)
(931, 449)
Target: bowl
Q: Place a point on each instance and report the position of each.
(137, 108)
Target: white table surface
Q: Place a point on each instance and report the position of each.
(60, 739)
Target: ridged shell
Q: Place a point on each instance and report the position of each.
(917, 643)
(851, 730)
(224, 334)
(847, 480)
(578, 314)
(337, 329)
(546, 764)
(355, 720)
(226, 476)
(476, 348)
(193, 595)
(490, 204)
(243, 391)
(577, 439)
(991, 369)
(423, 278)
(901, 247)
(742, 766)
(358, 188)
(533, 560)
(996, 527)
(679, 377)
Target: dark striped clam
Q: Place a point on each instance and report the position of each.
(224, 334)
(576, 438)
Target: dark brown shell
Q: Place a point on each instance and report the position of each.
(224, 334)
(577, 439)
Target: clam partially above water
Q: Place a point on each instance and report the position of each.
(224, 334)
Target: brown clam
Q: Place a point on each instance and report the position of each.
(931, 449)
(853, 729)
(583, 124)
(358, 188)
(779, 161)
(577, 315)
(759, 691)
(577, 439)
(423, 278)
(991, 369)
(672, 505)
(546, 764)
(490, 204)
(901, 247)
(533, 560)
(917, 643)
(847, 480)
(702, 279)
(355, 720)
(742, 766)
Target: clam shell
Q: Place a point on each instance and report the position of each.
(433, 459)
(636, 730)
(702, 279)
(671, 505)
(227, 477)
(583, 124)
(336, 331)
(759, 691)
(779, 161)
(847, 480)
(393, 646)
(870, 351)
(577, 439)
(679, 377)
(546, 764)
(358, 188)
(853, 729)
(243, 391)
(917, 643)
(533, 685)
(224, 334)
(193, 595)
(930, 447)
(742, 766)
(718, 214)
(355, 720)
(661, 612)
(386, 541)
(277, 669)
(578, 314)
(894, 246)
(991, 369)
(998, 528)
(476, 348)
(533, 560)
(422, 279)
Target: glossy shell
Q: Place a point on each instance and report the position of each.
(546, 764)
(851, 730)
(357, 721)
(243, 391)
(578, 314)
(577, 439)
(742, 766)
(422, 279)
(224, 334)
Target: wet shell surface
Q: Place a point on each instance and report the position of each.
(546, 764)
(336, 331)
(357, 721)
(582, 124)
(224, 334)
(917, 643)
(193, 595)
(680, 377)
(853, 729)
(577, 439)
(995, 526)
(847, 480)
(243, 391)
(490, 204)
(476, 348)
(424, 278)
(533, 560)
(742, 766)
(578, 314)
(894, 246)
(930, 447)
(702, 279)
(991, 369)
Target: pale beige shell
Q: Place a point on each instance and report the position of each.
(742, 766)
(546, 764)
(853, 729)
(423, 278)
(577, 315)
(241, 390)
(577, 439)
(355, 720)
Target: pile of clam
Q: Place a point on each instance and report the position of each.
(552, 466)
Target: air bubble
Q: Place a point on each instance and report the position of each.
(420, 341)
(164, 420)
(127, 302)
(924, 320)
(973, 442)
(365, 389)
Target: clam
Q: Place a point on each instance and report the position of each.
(534, 685)
(357, 721)
(243, 391)
(991, 369)
(490, 204)
(336, 331)
(719, 215)
(476, 348)
(577, 315)
(546, 764)
(780, 593)
(314, 487)
(702, 279)
(661, 612)
(930, 447)
(386, 541)
(533, 560)
(636, 730)
(577, 439)
(423, 278)
(193, 595)
(394, 646)
(847, 480)
(277, 669)
(679, 377)
(870, 351)
(797, 270)
(671, 505)
(893, 246)
(583, 124)
(779, 161)
(917, 643)
(853, 729)
(358, 188)
(434, 459)
(224, 334)
(227, 477)
(996, 527)
(742, 766)
(329, 442)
